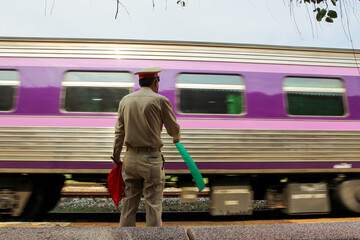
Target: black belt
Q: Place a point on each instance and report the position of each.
(143, 149)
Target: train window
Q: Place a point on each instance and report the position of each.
(9, 83)
(210, 93)
(314, 96)
(95, 91)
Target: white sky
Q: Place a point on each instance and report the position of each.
(268, 22)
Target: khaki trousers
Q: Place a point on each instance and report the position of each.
(143, 173)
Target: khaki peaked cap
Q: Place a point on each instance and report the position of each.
(149, 72)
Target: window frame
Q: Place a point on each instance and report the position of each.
(14, 83)
(241, 87)
(342, 90)
(64, 84)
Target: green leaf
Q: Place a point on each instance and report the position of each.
(323, 12)
(178, 2)
(183, 3)
(334, 2)
(329, 20)
(332, 14)
(320, 15)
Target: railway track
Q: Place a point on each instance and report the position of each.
(98, 190)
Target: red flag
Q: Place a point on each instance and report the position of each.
(115, 184)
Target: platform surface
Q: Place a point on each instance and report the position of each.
(55, 231)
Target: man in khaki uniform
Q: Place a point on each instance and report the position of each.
(141, 117)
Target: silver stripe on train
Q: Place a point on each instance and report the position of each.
(17, 47)
(204, 145)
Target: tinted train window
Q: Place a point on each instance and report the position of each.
(314, 96)
(210, 93)
(95, 91)
(9, 82)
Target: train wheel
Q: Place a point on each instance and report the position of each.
(34, 205)
(46, 193)
(348, 194)
(52, 189)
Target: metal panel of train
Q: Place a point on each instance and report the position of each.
(282, 123)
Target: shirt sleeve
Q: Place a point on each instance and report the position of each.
(119, 135)
(169, 119)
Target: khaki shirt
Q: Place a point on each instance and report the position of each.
(141, 117)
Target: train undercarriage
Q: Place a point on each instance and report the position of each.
(290, 193)
(30, 196)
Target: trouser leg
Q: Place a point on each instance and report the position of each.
(132, 196)
(153, 193)
(153, 204)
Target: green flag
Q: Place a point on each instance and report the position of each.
(192, 166)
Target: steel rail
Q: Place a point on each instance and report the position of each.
(98, 190)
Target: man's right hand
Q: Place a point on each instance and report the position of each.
(116, 161)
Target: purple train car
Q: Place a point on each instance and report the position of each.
(261, 122)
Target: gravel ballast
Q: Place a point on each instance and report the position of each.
(107, 205)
